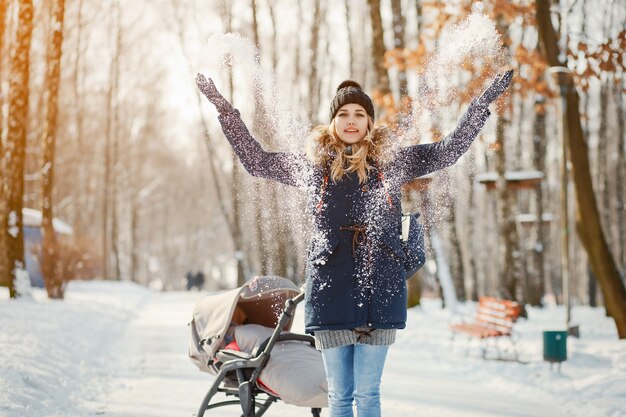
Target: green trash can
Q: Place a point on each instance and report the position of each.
(555, 346)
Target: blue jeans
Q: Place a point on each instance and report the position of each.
(353, 373)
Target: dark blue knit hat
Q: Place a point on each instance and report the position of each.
(351, 92)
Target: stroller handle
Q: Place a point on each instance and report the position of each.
(295, 300)
(290, 307)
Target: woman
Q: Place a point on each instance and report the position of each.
(355, 287)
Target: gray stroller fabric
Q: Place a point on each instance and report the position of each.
(260, 299)
(295, 370)
(250, 313)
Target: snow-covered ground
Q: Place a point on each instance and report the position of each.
(117, 349)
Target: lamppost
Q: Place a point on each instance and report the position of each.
(561, 78)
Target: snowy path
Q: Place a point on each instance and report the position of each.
(158, 380)
(154, 378)
(116, 349)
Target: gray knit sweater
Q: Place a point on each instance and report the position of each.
(326, 339)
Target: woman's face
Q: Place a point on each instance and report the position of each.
(351, 123)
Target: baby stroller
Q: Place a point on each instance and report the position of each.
(242, 337)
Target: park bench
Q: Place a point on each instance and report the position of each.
(493, 320)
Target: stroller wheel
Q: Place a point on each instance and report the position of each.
(230, 398)
(218, 400)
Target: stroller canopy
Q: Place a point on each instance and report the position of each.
(259, 300)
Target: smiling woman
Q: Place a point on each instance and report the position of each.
(355, 287)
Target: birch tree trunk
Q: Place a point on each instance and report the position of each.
(587, 216)
(237, 233)
(350, 37)
(456, 261)
(115, 163)
(109, 203)
(313, 75)
(16, 142)
(50, 263)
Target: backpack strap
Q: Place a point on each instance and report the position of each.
(318, 207)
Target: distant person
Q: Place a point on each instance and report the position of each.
(200, 280)
(190, 280)
(355, 289)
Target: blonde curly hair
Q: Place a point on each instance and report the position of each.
(325, 149)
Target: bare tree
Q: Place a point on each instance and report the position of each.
(350, 37)
(314, 95)
(50, 258)
(511, 265)
(378, 48)
(4, 273)
(510, 253)
(399, 22)
(108, 180)
(621, 176)
(538, 284)
(16, 140)
(588, 222)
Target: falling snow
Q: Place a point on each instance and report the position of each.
(284, 161)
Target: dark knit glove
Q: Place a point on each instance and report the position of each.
(497, 87)
(208, 89)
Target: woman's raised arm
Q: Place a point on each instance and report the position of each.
(286, 168)
(414, 161)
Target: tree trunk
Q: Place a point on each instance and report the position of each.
(50, 263)
(621, 175)
(473, 250)
(237, 232)
(109, 161)
(350, 38)
(511, 262)
(602, 180)
(378, 48)
(272, 246)
(512, 270)
(456, 261)
(296, 99)
(281, 231)
(587, 216)
(4, 270)
(16, 142)
(399, 22)
(419, 18)
(81, 219)
(115, 167)
(313, 76)
(538, 283)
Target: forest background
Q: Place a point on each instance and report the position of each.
(102, 126)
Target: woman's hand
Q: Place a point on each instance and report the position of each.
(208, 89)
(497, 87)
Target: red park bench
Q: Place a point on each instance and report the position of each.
(494, 319)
